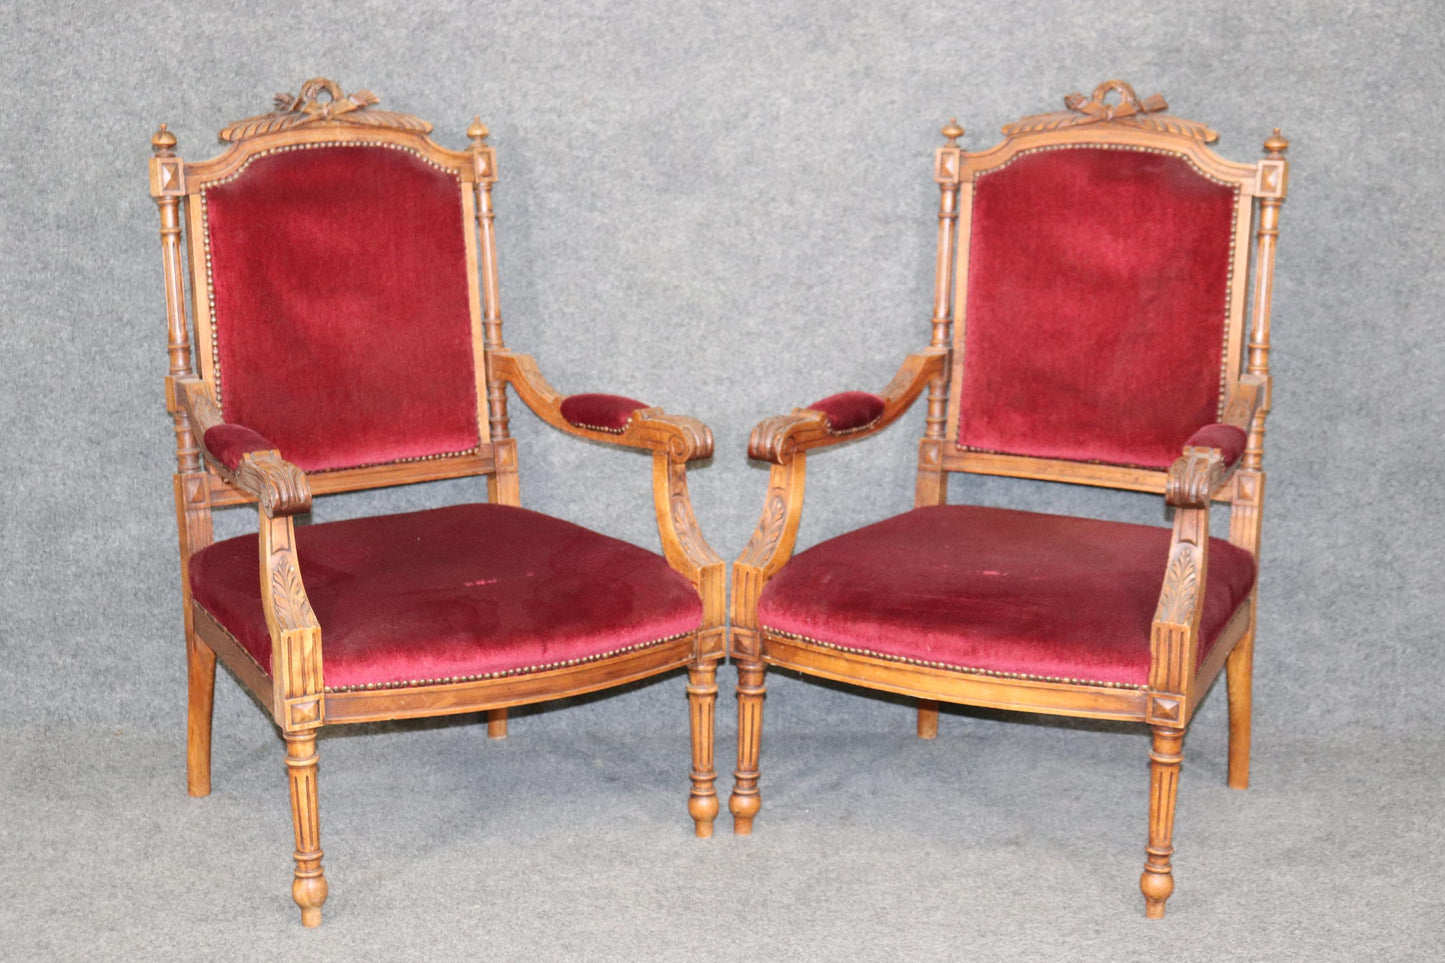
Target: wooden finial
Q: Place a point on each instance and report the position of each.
(952, 131)
(1275, 145)
(163, 142)
(478, 131)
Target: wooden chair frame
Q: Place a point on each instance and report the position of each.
(295, 692)
(1114, 117)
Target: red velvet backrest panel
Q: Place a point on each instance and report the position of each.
(1097, 299)
(340, 305)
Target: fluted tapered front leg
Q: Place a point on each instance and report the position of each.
(746, 801)
(1157, 881)
(702, 804)
(309, 887)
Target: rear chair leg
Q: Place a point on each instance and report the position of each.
(309, 887)
(1239, 674)
(702, 803)
(1157, 881)
(201, 696)
(927, 719)
(496, 723)
(746, 801)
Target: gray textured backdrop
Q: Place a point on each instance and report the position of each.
(727, 210)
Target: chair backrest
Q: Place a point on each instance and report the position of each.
(1099, 291)
(333, 266)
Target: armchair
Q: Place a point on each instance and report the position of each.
(1089, 326)
(342, 271)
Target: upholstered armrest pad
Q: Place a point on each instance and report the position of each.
(608, 413)
(849, 410)
(228, 443)
(1228, 439)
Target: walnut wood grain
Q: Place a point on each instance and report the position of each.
(778, 438)
(292, 688)
(681, 437)
(279, 486)
(1114, 116)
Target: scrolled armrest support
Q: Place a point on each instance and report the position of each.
(779, 438)
(1212, 453)
(1195, 477)
(279, 486)
(652, 429)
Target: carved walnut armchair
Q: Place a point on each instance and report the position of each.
(342, 272)
(1089, 326)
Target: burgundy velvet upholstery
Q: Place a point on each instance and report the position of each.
(599, 412)
(850, 410)
(997, 591)
(229, 442)
(1227, 438)
(342, 314)
(454, 592)
(1095, 314)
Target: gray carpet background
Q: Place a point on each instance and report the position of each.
(727, 210)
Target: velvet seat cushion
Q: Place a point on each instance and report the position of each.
(997, 591)
(454, 594)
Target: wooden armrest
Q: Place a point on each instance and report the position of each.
(243, 457)
(681, 437)
(776, 439)
(1212, 453)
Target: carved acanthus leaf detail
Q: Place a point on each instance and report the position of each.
(288, 595)
(1179, 596)
(769, 532)
(308, 107)
(684, 522)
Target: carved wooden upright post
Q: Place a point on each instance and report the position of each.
(770, 546)
(932, 484)
(192, 494)
(1245, 518)
(502, 484)
(1173, 642)
(299, 700)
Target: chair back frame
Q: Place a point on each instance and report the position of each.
(1100, 121)
(321, 116)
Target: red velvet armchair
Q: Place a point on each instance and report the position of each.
(1089, 326)
(342, 272)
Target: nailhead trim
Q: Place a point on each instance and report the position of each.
(951, 668)
(449, 680)
(1228, 279)
(853, 431)
(211, 284)
(610, 431)
(413, 683)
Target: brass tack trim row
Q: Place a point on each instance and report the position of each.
(965, 670)
(526, 670)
